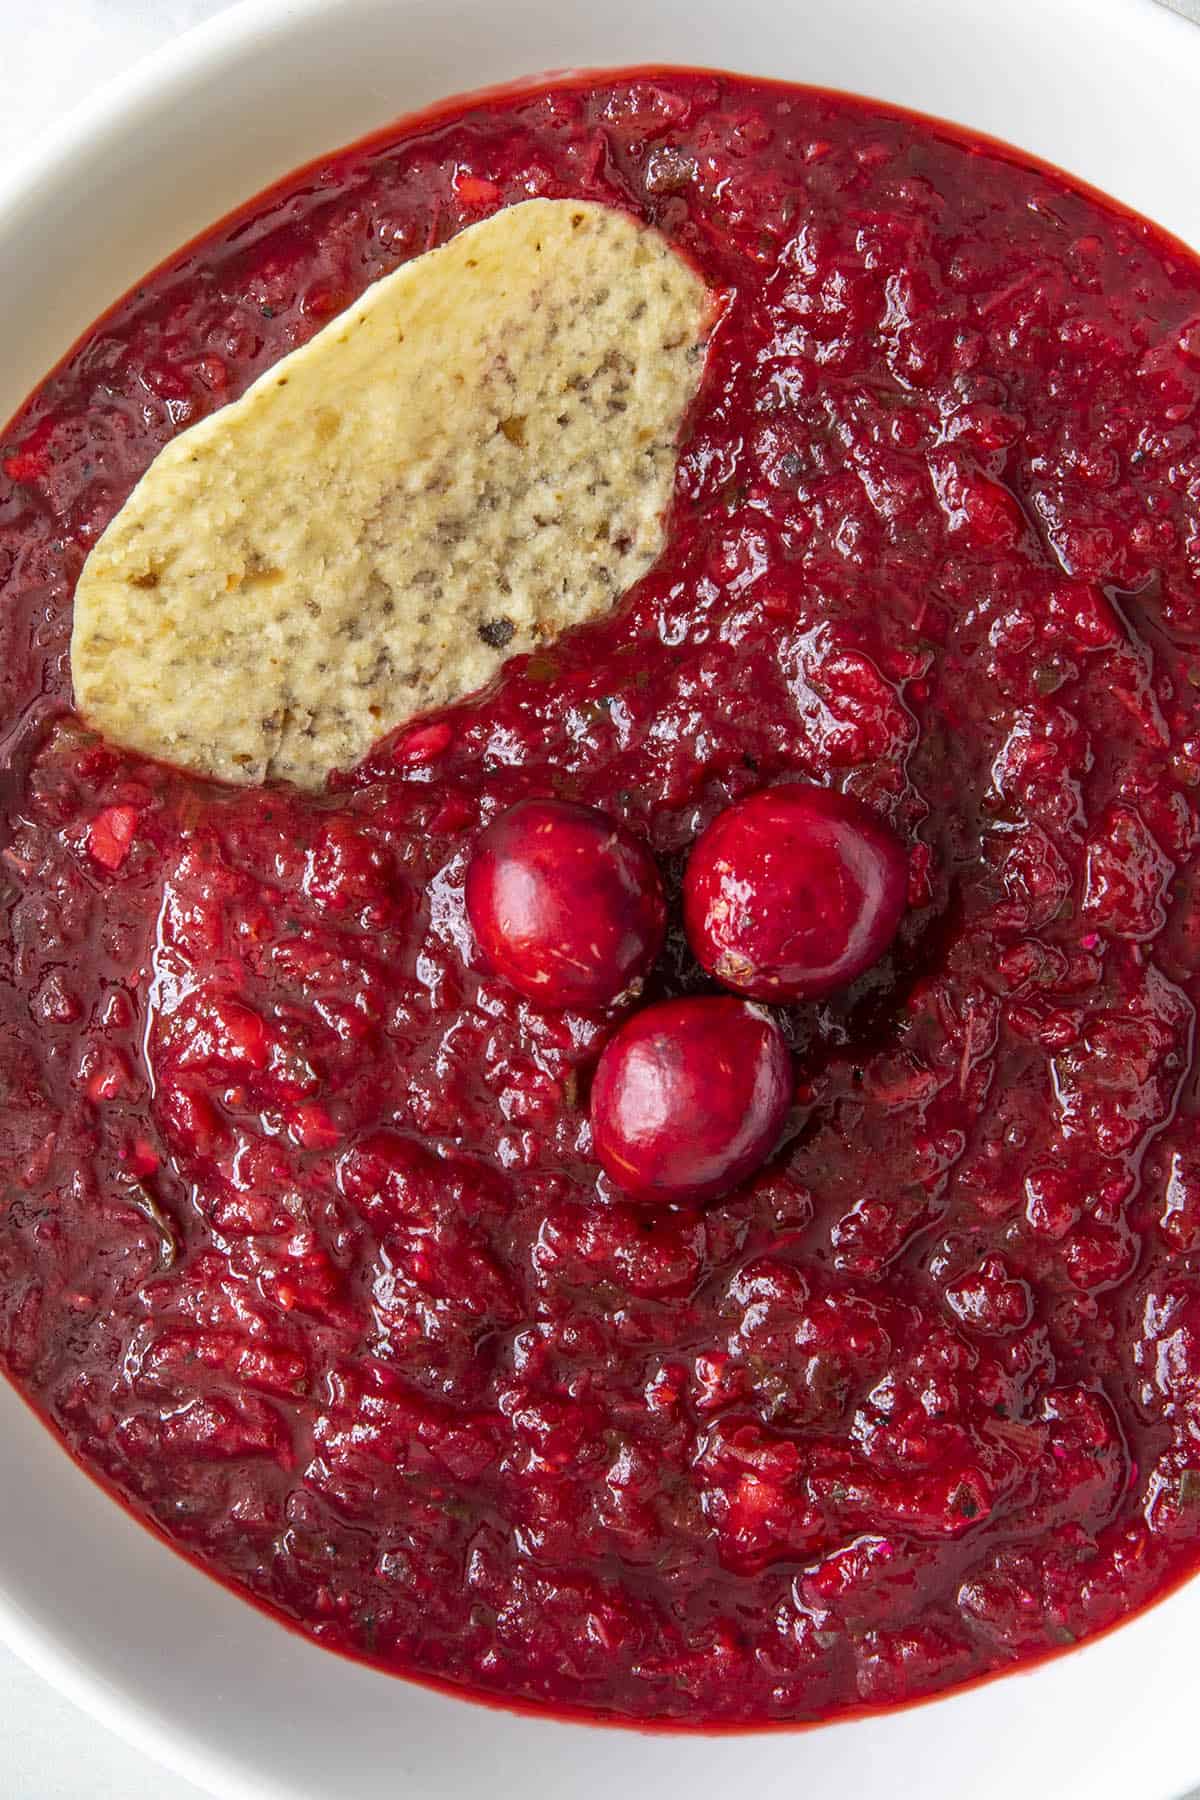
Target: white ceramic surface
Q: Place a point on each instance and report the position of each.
(1109, 89)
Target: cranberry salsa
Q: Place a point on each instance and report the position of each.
(309, 1246)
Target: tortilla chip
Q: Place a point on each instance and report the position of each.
(474, 456)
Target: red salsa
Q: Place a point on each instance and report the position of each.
(304, 1249)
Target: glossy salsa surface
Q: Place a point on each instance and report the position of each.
(303, 1248)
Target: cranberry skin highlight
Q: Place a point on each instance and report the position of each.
(689, 1098)
(565, 903)
(793, 892)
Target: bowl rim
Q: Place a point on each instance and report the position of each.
(173, 63)
(172, 69)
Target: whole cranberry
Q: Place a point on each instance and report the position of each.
(793, 892)
(566, 905)
(689, 1097)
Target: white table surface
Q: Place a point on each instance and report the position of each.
(56, 52)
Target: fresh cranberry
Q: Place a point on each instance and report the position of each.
(567, 905)
(690, 1097)
(793, 892)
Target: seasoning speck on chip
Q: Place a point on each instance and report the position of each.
(476, 455)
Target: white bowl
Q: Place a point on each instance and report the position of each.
(1109, 89)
